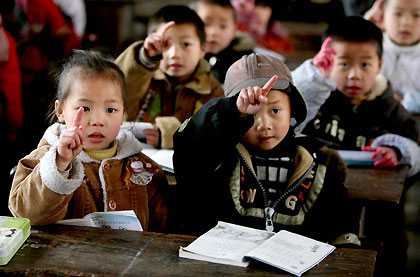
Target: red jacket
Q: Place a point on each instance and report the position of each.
(10, 82)
(45, 36)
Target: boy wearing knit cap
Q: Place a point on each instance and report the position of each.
(238, 160)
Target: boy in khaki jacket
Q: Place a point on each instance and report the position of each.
(167, 78)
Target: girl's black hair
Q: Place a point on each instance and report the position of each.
(86, 64)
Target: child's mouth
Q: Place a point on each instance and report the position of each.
(96, 137)
(265, 139)
(353, 90)
(405, 33)
(175, 66)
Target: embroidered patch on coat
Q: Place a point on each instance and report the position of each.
(139, 174)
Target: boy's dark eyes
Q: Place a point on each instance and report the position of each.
(86, 109)
(186, 44)
(111, 110)
(275, 111)
(344, 64)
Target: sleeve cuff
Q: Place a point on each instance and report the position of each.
(146, 61)
(53, 179)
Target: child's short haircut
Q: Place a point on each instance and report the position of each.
(223, 3)
(86, 64)
(355, 29)
(180, 15)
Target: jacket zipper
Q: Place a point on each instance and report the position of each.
(269, 211)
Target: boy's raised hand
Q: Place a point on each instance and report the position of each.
(252, 99)
(375, 13)
(324, 60)
(70, 143)
(388, 156)
(156, 42)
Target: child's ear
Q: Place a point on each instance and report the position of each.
(59, 111)
(203, 49)
(380, 63)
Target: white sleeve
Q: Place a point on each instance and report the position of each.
(314, 88)
(409, 149)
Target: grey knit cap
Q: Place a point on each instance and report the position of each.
(255, 70)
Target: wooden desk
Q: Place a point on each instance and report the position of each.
(376, 184)
(72, 250)
(366, 183)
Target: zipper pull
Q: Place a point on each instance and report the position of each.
(269, 219)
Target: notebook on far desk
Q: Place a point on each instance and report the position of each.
(357, 158)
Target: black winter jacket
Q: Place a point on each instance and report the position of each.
(208, 155)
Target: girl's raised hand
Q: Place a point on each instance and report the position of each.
(324, 60)
(70, 143)
(156, 42)
(252, 99)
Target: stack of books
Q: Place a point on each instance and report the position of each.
(13, 233)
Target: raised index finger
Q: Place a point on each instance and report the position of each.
(162, 30)
(270, 83)
(326, 43)
(77, 121)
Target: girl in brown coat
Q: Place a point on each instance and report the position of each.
(84, 163)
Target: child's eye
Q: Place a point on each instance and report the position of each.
(416, 15)
(275, 111)
(111, 110)
(186, 44)
(365, 65)
(397, 14)
(344, 64)
(86, 109)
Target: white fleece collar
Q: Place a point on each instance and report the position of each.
(380, 86)
(398, 49)
(128, 145)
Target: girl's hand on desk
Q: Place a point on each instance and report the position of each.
(388, 156)
(70, 143)
(152, 136)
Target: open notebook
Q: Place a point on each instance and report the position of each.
(237, 245)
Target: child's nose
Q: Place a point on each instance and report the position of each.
(96, 119)
(354, 72)
(263, 122)
(406, 19)
(173, 51)
(211, 31)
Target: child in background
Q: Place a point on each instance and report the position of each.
(238, 160)
(11, 114)
(84, 163)
(350, 104)
(167, 78)
(400, 19)
(255, 17)
(224, 45)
